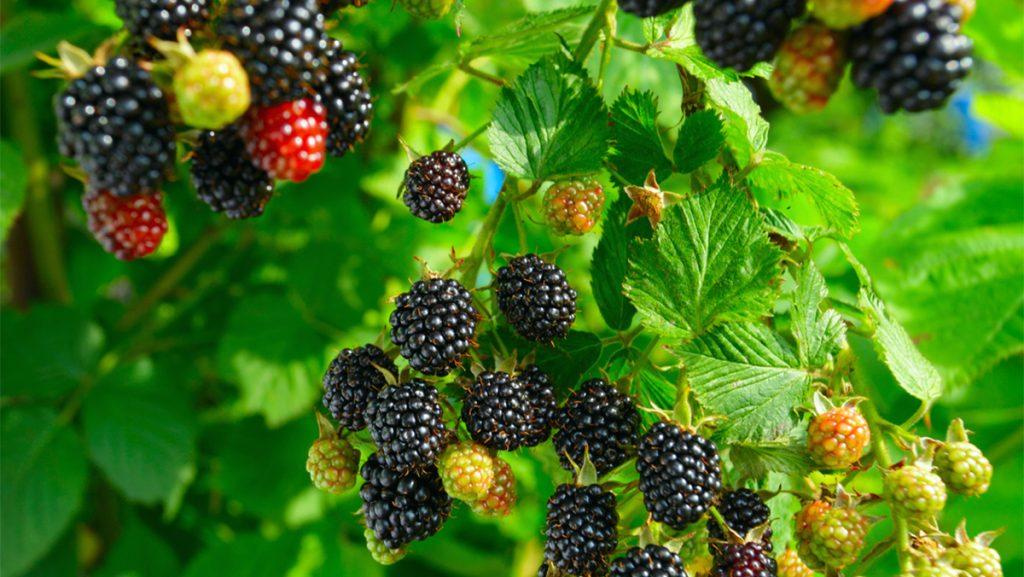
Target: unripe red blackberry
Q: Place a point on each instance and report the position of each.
(535, 298)
(436, 185)
(745, 560)
(914, 491)
(288, 140)
(573, 206)
(467, 470)
(837, 537)
(332, 464)
(346, 98)
(434, 324)
(599, 421)
(837, 438)
(581, 529)
(808, 68)
(648, 8)
(964, 468)
(505, 412)
(501, 497)
(740, 33)
(839, 14)
(352, 381)
(406, 423)
(402, 506)
(742, 510)
(651, 561)
(680, 474)
(129, 227)
(225, 177)
(162, 19)
(115, 122)
(790, 565)
(380, 552)
(913, 54)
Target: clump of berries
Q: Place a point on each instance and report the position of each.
(680, 474)
(536, 298)
(436, 185)
(574, 206)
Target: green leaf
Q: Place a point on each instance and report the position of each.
(818, 333)
(140, 430)
(709, 262)
(749, 375)
(43, 473)
(13, 183)
(700, 139)
(654, 392)
(138, 552)
(532, 35)
(570, 358)
(746, 132)
(775, 174)
(550, 123)
(29, 32)
(756, 459)
(610, 263)
(47, 351)
(638, 148)
(249, 555)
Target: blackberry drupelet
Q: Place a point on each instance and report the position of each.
(600, 421)
(352, 381)
(225, 177)
(651, 561)
(581, 529)
(742, 510)
(648, 8)
(505, 412)
(147, 19)
(346, 97)
(680, 475)
(280, 43)
(745, 560)
(402, 506)
(913, 54)
(406, 424)
(741, 33)
(436, 185)
(115, 122)
(433, 325)
(535, 298)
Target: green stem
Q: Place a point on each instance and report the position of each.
(473, 71)
(471, 266)
(917, 416)
(598, 23)
(884, 459)
(631, 46)
(471, 136)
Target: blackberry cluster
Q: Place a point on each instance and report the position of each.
(345, 96)
(406, 425)
(505, 412)
(535, 298)
(680, 475)
(651, 561)
(352, 381)
(115, 122)
(600, 421)
(913, 54)
(162, 19)
(741, 33)
(745, 560)
(433, 325)
(280, 43)
(648, 8)
(436, 185)
(402, 506)
(743, 510)
(225, 177)
(581, 529)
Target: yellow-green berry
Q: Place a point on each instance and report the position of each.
(915, 492)
(212, 89)
(501, 497)
(332, 464)
(791, 565)
(467, 470)
(380, 552)
(574, 206)
(964, 468)
(974, 559)
(837, 537)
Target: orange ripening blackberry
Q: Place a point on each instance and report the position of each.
(808, 68)
(836, 439)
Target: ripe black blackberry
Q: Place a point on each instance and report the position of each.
(600, 421)
(741, 33)
(505, 412)
(162, 19)
(648, 8)
(328, 7)
(680, 474)
(745, 560)
(115, 122)
(345, 96)
(743, 510)
(402, 506)
(913, 54)
(581, 529)
(651, 561)
(407, 425)
(352, 381)
(280, 44)
(225, 177)
(435, 186)
(433, 325)
(535, 298)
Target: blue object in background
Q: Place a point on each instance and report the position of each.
(494, 176)
(975, 133)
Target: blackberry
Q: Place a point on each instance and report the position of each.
(279, 42)
(225, 177)
(505, 412)
(433, 325)
(913, 54)
(115, 122)
(581, 529)
(648, 8)
(535, 298)
(406, 425)
(651, 561)
(328, 7)
(741, 33)
(745, 560)
(743, 510)
(680, 475)
(343, 92)
(600, 421)
(352, 381)
(435, 186)
(162, 19)
(402, 506)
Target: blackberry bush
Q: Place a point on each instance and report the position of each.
(680, 474)
(535, 298)
(436, 185)
(434, 325)
(597, 421)
(402, 506)
(352, 381)
(505, 412)
(406, 425)
(581, 529)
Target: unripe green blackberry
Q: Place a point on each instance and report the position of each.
(808, 68)
(933, 570)
(915, 492)
(467, 470)
(804, 522)
(501, 497)
(964, 468)
(974, 559)
(837, 537)
(574, 206)
(406, 423)
(380, 552)
(581, 529)
(651, 561)
(332, 465)
(212, 89)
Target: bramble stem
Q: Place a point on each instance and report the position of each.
(598, 23)
(471, 266)
(471, 136)
(474, 71)
(884, 460)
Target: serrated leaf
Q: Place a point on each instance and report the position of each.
(532, 35)
(655, 392)
(570, 358)
(551, 122)
(747, 374)
(47, 351)
(709, 262)
(756, 459)
(700, 139)
(818, 333)
(610, 263)
(775, 174)
(13, 182)
(746, 132)
(637, 146)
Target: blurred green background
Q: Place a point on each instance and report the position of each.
(156, 414)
